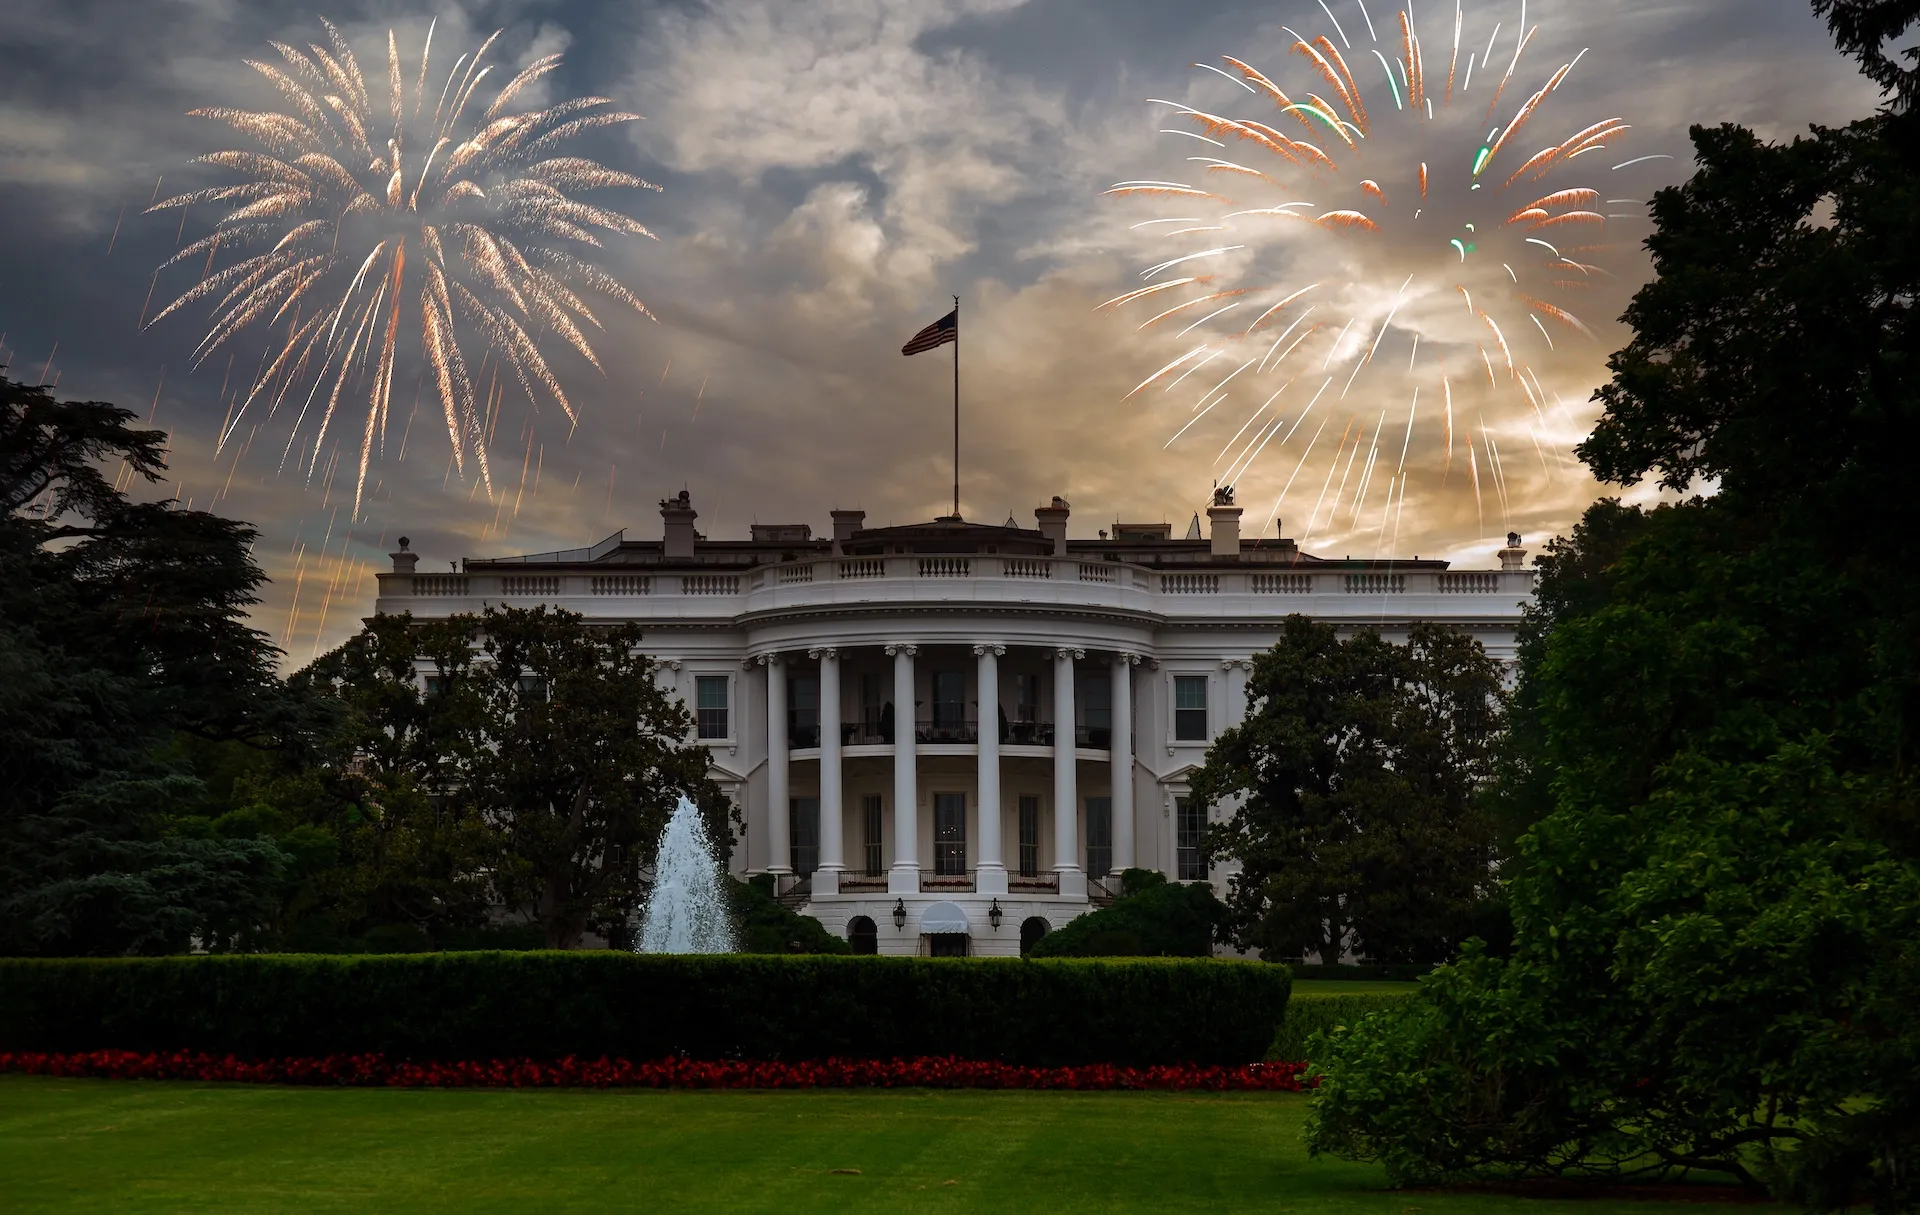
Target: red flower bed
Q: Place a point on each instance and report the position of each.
(378, 1070)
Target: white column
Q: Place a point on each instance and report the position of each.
(1122, 752)
(826, 879)
(991, 868)
(779, 835)
(1066, 838)
(904, 877)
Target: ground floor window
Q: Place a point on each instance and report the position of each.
(863, 936)
(1029, 837)
(803, 825)
(1099, 836)
(1031, 930)
(949, 834)
(1189, 823)
(873, 812)
(947, 944)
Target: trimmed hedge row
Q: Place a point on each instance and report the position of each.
(1308, 1014)
(1051, 1013)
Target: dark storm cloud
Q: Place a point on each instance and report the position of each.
(833, 172)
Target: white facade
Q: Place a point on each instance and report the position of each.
(794, 652)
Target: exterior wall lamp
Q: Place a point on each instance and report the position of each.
(899, 913)
(993, 915)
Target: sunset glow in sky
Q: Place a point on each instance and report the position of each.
(832, 174)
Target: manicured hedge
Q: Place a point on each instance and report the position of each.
(1395, 972)
(1051, 1013)
(1308, 1014)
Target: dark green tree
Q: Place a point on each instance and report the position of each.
(1718, 892)
(1357, 771)
(586, 760)
(121, 623)
(522, 757)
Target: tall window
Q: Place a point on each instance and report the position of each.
(1029, 837)
(803, 709)
(1189, 822)
(1099, 836)
(873, 816)
(803, 824)
(949, 834)
(710, 705)
(1026, 698)
(1096, 710)
(1190, 708)
(872, 697)
(949, 700)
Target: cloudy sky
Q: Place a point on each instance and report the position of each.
(834, 171)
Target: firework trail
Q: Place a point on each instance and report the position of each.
(373, 225)
(1364, 224)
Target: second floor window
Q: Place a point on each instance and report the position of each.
(1190, 708)
(1026, 698)
(803, 709)
(949, 698)
(710, 705)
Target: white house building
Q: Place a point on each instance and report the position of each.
(947, 735)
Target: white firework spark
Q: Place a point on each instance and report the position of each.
(364, 228)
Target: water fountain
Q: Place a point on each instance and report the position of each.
(687, 911)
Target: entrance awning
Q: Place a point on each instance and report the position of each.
(943, 917)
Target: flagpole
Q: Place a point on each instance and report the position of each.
(956, 407)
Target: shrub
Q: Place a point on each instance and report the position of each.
(1308, 1014)
(555, 1004)
(1155, 918)
(768, 927)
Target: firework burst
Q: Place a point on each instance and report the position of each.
(1394, 222)
(367, 230)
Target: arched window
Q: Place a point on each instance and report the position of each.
(1031, 930)
(862, 935)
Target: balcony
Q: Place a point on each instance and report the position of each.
(972, 581)
(946, 730)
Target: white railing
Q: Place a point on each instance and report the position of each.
(1467, 583)
(529, 585)
(1096, 573)
(439, 584)
(864, 567)
(1283, 584)
(1375, 584)
(710, 584)
(1026, 567)
(1189, 584)
(945, 567)
(795, 573)
(622, 584)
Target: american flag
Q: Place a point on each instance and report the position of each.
(942, 331)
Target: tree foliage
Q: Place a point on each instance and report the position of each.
(522, 756)
(1717, 897)
(1154, 918)
(1357, 769)
(121, 623)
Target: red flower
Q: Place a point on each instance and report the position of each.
(570, 1072)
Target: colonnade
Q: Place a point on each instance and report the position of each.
(990, 868)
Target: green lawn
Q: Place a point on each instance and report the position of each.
(130, 1146)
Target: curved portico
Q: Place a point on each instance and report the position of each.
(994, 718)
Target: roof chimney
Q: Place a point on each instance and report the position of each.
(679, 515)
(1513, 557)
(1224, 519)
(1053, 523)
(845, 523)
(404, 561)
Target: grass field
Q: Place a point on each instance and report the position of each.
(132, 1146)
